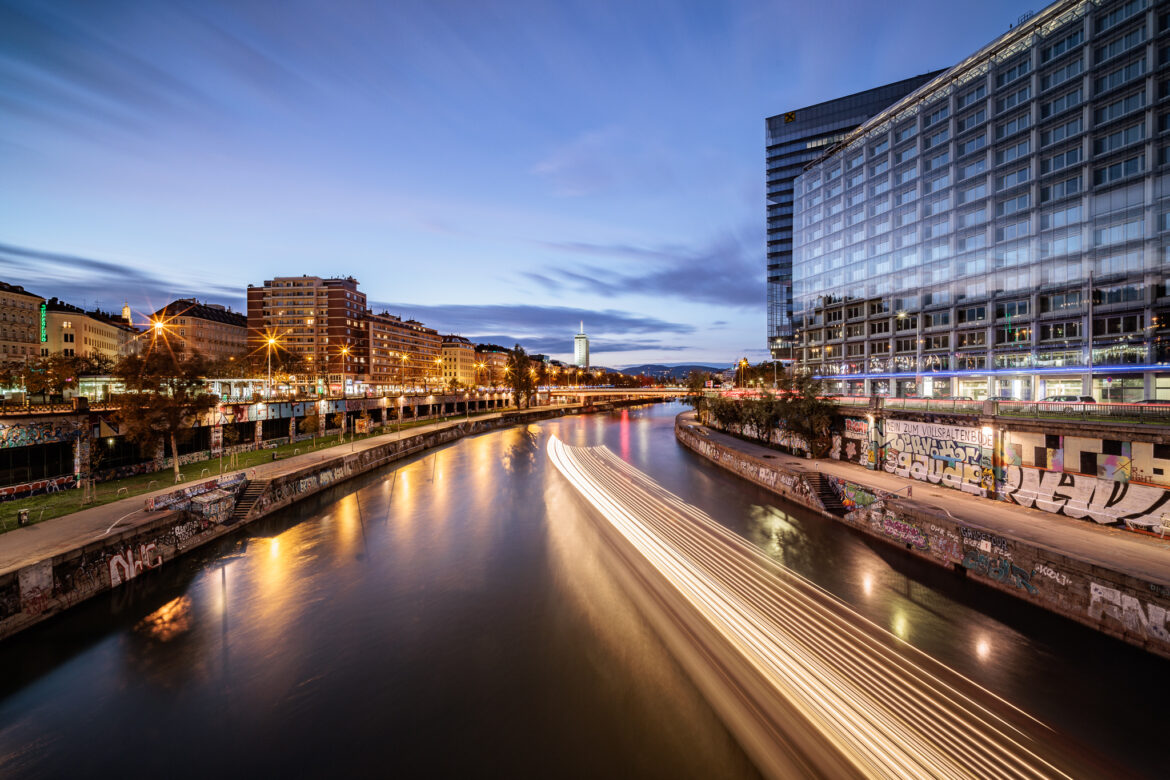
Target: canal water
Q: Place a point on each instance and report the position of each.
(458, 616)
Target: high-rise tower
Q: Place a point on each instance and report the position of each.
(581, 348)
(795, 139)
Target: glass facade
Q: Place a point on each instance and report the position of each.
(1005, 231)
(794, 139)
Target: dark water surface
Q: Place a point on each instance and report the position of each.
(458, 617)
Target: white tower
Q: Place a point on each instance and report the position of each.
(581, 348)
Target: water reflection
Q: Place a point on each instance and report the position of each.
(482, 606)
(168, 621)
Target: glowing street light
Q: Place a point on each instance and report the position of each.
(271, 342)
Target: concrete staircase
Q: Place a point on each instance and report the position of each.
(252, 492)
(820, 484)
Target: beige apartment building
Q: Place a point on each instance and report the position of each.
(212, 330)
(459, 361)
(20, 323)
(75, 332)
(403, 353)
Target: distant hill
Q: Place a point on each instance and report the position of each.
(670, 372)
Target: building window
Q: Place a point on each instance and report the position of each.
(1021, 68)
(1120, 107)
(1058, 134)
(1061, 104)
(968, 98)
(1061, 75)
(1013, 125)
(1120, 170)
(972, 314)
(971, 338)
(1010, 101)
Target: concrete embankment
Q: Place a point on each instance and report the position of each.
(1025, 557)
(88, 563)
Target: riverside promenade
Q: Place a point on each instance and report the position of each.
(1114, 548)
(1111, 579)
(25, 546)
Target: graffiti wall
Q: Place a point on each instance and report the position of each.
(1114, 602)
(949, 455)
(26, 433)
(855, 441)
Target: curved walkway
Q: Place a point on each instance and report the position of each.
(1116, 549)
(28, 545)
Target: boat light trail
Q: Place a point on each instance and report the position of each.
(884, 707)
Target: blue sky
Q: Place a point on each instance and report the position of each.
(496, 169)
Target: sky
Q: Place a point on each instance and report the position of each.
(500, 170)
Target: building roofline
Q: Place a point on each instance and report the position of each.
(1012, 36)
(826, 103)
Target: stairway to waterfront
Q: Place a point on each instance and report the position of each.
(820, 483)
(252, 492)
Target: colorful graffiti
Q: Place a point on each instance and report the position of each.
(1078, 495)
(9, 492)
(889, 524)
(968, 477)
(999, 569)
(27, 434)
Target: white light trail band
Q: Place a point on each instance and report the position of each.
(860, 686)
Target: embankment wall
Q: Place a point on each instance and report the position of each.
(36, 591)
(1119, 603)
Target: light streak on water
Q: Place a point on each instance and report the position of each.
(887, 709)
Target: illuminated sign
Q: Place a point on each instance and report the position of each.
(789, 116)
(44, 322)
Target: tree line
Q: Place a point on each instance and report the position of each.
(797, 406)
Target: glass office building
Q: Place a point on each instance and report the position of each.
(794, 139)
(1005, 229)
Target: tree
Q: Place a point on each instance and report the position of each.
(164, 394)
(230, 368)
(50, 375)
(519, 376)
(696, 383)
(802, 409)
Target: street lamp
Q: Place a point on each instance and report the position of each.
(271, 343)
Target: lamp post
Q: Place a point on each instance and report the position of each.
(271, 343)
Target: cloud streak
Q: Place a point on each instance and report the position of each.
(727, 271)
(86, 281)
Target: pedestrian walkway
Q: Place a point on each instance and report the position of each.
(1116, 549)
(33, 543)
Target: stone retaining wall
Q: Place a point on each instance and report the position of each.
(37, 591)
(1114, 602)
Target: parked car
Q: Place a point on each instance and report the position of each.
(1075, 399)
(1158, 401)
(1002, 398)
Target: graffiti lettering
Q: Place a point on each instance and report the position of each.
(1060, 578)
(1079, 495)
(999, 569)
(125, 566)
(1127, 610)
(903, 531)
(985, 542)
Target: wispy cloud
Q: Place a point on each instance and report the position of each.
(727, 271)
(89, 281)
(528, 318)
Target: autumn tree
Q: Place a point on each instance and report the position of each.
(802, 408)
(163, 398)
(519, 376)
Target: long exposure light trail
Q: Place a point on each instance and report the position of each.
(885, 708)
